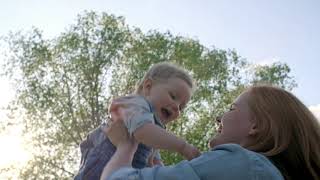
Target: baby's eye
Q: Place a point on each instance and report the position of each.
(172, 96)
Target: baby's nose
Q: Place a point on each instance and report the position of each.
(175, 109)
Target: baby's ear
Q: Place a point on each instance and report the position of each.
(147, 84)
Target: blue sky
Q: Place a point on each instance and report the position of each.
(260, 31)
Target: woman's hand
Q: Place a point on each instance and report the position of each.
(126, 147)
(119, 136)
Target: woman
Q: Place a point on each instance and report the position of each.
(267, 134)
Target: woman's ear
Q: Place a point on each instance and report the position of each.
(253, 130)
(146, 87)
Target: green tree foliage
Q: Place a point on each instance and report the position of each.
(64, 84)
(276, 73)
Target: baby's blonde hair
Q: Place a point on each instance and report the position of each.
(161, 72)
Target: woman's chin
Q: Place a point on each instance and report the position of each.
(214, 142)
(217, 140)
(211, 143)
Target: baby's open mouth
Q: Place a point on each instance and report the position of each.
(166, 113)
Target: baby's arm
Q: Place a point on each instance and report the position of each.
(135, 112)
(157, 137)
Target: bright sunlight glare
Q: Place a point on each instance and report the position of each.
(13, 151)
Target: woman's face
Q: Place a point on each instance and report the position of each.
(236, 125)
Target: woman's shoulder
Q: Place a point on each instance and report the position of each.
(234, 161)
(254, 159)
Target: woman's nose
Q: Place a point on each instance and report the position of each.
(218, 118)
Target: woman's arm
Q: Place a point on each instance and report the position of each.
(119, 168)
(183, 170)
(126, 147)
(122, 158)
(224, 162)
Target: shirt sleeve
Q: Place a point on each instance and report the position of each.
(225, 162)
(231, 161)
(137, 111)
(180, 171)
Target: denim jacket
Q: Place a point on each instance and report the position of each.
(224, 162)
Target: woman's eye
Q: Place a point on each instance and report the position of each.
(218, 119)
(231, 108)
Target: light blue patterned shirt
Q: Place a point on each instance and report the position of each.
(224, 162)
(138, 111)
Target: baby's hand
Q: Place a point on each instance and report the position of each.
(190, 152)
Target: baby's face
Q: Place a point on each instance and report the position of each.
(168, 98)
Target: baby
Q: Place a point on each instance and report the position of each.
(159, 99)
